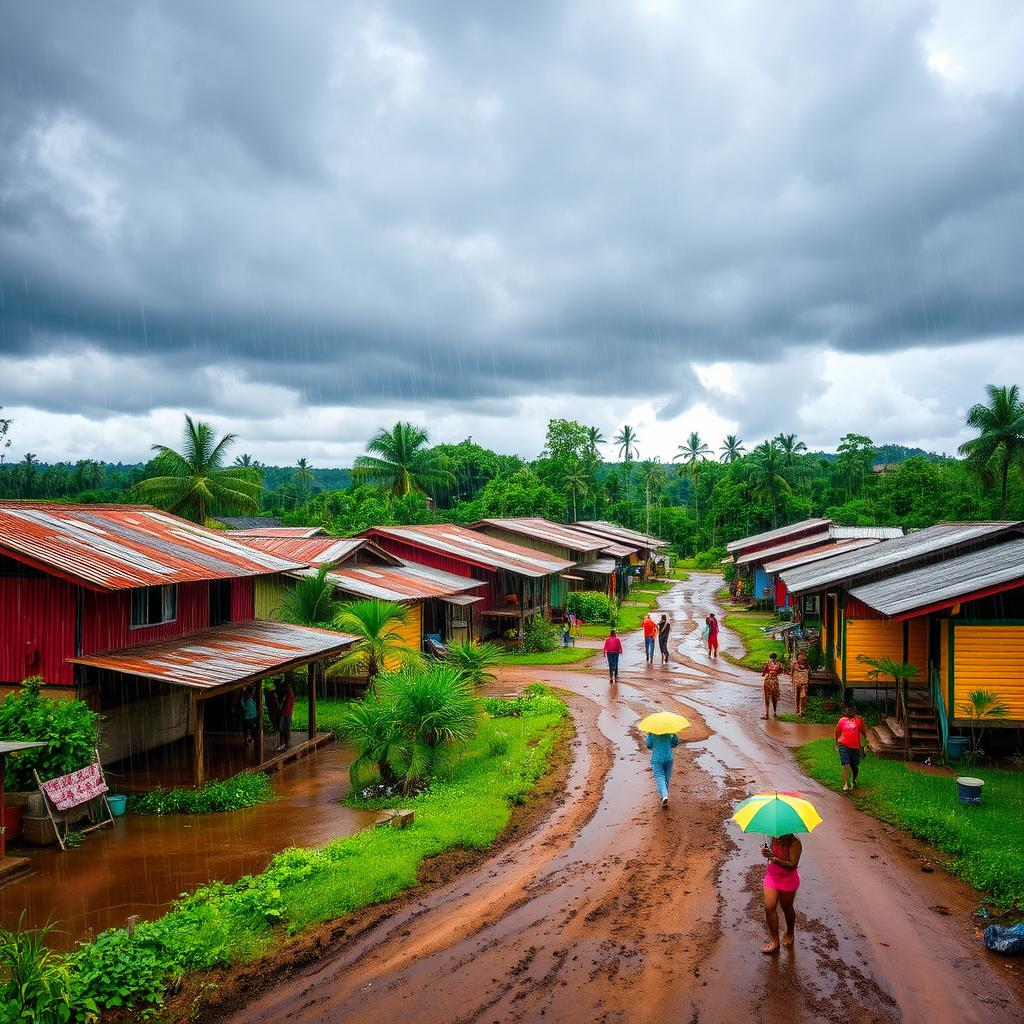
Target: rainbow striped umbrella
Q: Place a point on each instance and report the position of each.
(776, 814)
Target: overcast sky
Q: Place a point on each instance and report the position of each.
(303, 221)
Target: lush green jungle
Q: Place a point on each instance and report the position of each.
(705, 497)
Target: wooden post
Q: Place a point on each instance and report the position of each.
(199, 710)
(312, 676)
(259, 723)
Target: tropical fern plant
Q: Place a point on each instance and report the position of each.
(887, 668)
(981, 706)
(311, 601)
(380, 643)
(475, 660)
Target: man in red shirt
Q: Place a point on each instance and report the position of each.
(851, 739)
(650, 632)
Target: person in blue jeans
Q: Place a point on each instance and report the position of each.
(661, 761)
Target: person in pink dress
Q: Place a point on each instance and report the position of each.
(781, 881)
(612, 650)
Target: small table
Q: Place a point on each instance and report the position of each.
(9, 865)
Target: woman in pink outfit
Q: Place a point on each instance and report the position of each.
(781, 882)
(612, 650)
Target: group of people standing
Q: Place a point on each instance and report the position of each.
(280, 706)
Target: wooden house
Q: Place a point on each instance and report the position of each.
(646, 554)
(151, 619)
(600, 564)
(515, 581)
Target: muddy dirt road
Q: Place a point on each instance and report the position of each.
(615, 910)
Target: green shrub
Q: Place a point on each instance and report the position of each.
(710, 559)
(246, 789)
(119, 969)
(497, 745)
(592, 606)
(474, 659)
(537, 700)
(540, 635)
(67, 727)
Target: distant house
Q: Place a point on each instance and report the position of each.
(515, 580)
(647, 552)
(151, 619)
(248, 522)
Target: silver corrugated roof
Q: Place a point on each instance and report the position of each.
(945, 581)
(807, 541)
(890, 553)
(829, 550)
(769, 535)
(545, 530)
(602, 566)
(620, 533)
(857, 532)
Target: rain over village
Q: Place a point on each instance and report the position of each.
(511, 512)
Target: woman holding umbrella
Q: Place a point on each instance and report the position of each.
(779, 816)
(661, 730)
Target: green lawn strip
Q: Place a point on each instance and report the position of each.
(985, 843)
(329, 711)
(222, 924)
(651, 587)
(825, 709)
(746, 625)
(559, 656)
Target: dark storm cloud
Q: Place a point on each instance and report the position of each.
(416, 203)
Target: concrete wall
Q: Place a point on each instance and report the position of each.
(143, 725)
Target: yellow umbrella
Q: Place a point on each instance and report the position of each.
(663, 723)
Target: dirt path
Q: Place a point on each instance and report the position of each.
(614, 910)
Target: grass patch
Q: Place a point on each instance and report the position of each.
(683, 563)
(985, 843)
(826, 709)
(559, 656)
(221, 925)
(329, 711)
(247, 789)
(758, 645)
(651, 587)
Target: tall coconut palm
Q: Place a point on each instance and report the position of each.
(244, 461)
(693, 452)
(311, 602)
(732, 449)
(627, 441)
(380, 644)
(303, 475)
(576, 484)
(595, 439)
(654, 479)
(790, 446)
(766, 475)
(195, 483)
(401, 462)
(1000, 445)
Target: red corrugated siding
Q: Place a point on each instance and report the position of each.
(106, 618)
(855, 609)
(781, 594)
(37, 629)
(243, 600)
(436, 560)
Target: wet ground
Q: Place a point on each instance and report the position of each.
(145, 862)
(614, 910)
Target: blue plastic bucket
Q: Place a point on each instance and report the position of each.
(956, 747)
(969, 789)
(117, 804)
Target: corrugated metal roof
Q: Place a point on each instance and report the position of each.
(945, 581)
(810, 540)
(318, 551)
(282, 531)
(891, 553)
(117, 547)
(620, 534)
(602, 566)
(619, 550)
(830, 550)
(777, 534)
(224, 655)
(857, 532)
(544, 529)
(408, 582)
(478, 548)
(248, 522)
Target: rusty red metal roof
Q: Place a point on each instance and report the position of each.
(281, 531)
(227, 655)
(477, 548)
(117, 547)
(318, 551)
(545, 530)
(408, 582)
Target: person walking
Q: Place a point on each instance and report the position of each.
(781, 881)
(612, 650)
(663, 627)
(661, 761)
(712, 624)
(851, 741)
(650, 632)
(770, 672)
(286, 704)
(801, 676)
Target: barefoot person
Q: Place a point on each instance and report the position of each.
(851, 739)
(663, 627)
(770, 672)
(661, 761)
(801, 676)
(612, 650)
(781, 882)
(712, 624)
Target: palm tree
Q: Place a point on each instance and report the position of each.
(311, 602)
(401, 462)
(627, 441)
(595, 439)
(980, 706)
(244, 461)
(790, 447)
(732, 449)
(575, 484)
(475, 660)
(1000, 444)
(654, 478)
(694, 451)
(766, 474)
(303, 475)
(380, 644)
(194, 483)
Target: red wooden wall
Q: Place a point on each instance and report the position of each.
(37, 629)
(243, 599)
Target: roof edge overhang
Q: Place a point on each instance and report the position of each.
(938, 606)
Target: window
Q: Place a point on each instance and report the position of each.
(154, 605)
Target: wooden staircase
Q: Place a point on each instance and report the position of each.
(915, 738)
